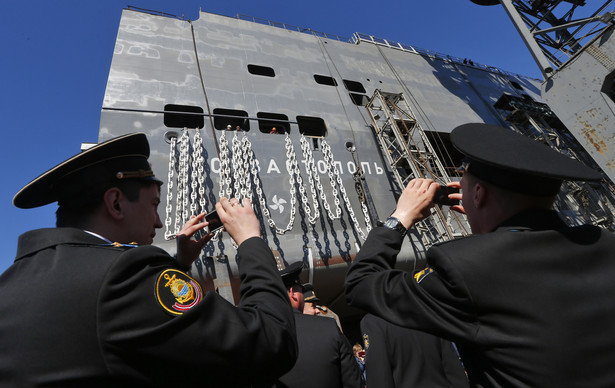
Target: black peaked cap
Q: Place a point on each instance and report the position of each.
(515, 162)
(308, 293)
(290, 274)
(123, 157)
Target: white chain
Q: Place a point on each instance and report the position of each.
(225, 170)
(290, 154)
(200, 167)
(168, 234)
(368, 222)
(184, 168)
(314, 178)
(236, 163)
(194, 178)
(310, 169)
(245, 175)
(296, 171)
(328, 155)
(181, 209)
(333, 174)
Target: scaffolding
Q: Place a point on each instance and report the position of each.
(409, 154)
(578, 202)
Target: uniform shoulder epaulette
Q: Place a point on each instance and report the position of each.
(419, 276)
(118, 245)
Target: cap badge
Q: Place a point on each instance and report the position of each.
(177, 292)
(134, 174)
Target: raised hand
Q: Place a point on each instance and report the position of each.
(188, 249)
(415, 201)
(239, 220)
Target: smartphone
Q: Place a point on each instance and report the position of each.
(214, 222)
(441, 196)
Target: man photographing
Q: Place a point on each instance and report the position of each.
(526, 299)
(91, 304)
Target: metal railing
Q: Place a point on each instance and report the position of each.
(356, 38)
(290, 27)
(359, 37)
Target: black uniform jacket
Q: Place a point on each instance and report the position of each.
(325, 357)
(530, 304)
(76, 311)
(397, 357)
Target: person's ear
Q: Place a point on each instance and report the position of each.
(290, 293)
(480, 193)
(113, 203)
(294, 295)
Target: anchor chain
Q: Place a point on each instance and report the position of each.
(239, 177)
(169, 208)
(181, 210)
(328, 156)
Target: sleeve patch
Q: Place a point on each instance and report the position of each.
(419, 276)
(177, 292)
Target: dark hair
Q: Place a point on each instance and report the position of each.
(77, 210)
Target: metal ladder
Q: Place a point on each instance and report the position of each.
(410, 154)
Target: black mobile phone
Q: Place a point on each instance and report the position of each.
(441, 196)
(214, 222)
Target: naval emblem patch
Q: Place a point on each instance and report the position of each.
(177, 292)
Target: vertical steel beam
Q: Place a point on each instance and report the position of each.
(528, 38)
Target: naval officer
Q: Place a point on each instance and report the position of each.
(91, 304)
(310, 300)
(325, 357)
(526, 298)
(398, 357)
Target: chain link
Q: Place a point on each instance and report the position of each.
(181, 205)
(328, 155)
(368, 221)
(194, 178)
(290, 155)
(200, 167)
(236, 159)
(168, 234)
(310, 169)
(247, 155)
(333, 174)
(225, 170)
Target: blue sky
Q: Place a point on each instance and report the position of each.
(56, 57)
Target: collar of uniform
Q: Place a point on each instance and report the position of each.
(99, 236)
(536, 219)
(39, 239)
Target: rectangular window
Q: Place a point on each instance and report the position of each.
(358, 99)
(515, 84)
(187, 116)
(261, 70)
(354, 86)
(324, 80)
(273, 123)
(231, 120)
(312, 126)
